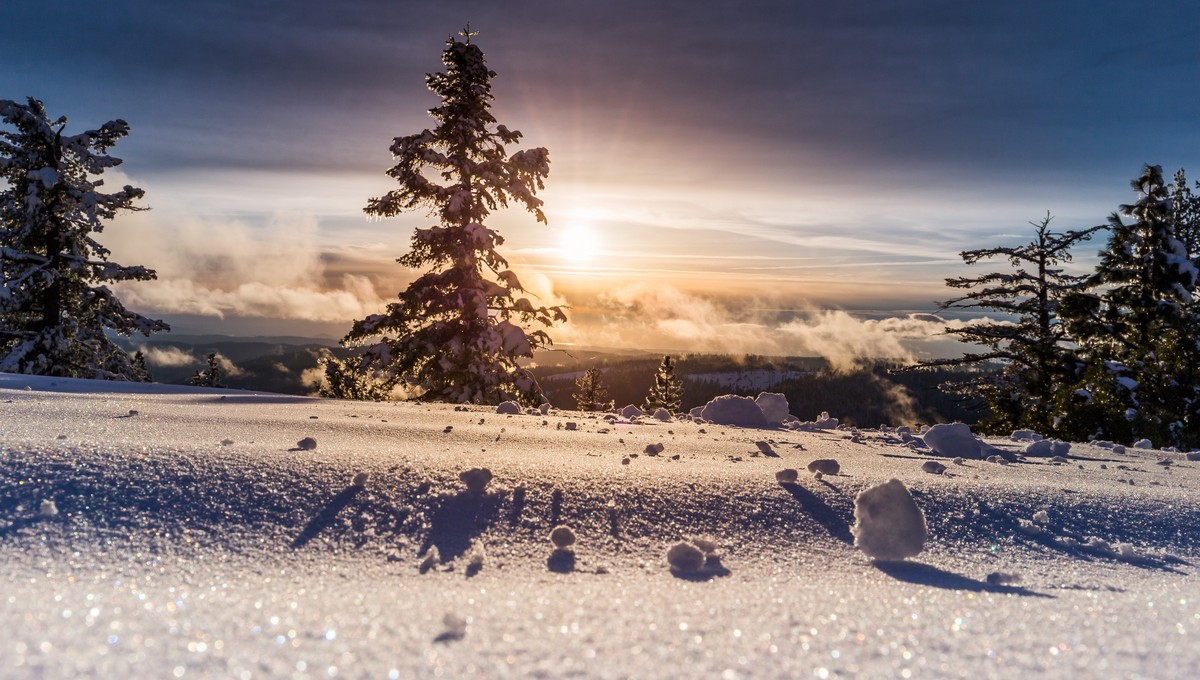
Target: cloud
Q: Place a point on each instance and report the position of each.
(167, 356)
(228, 368)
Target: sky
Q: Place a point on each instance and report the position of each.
(774, 177)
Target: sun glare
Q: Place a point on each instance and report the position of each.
(578, 243)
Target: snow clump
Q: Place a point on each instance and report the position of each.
(788, 476)
(653, 449)
(888, 525)
(1045, 448)
(730, 409)
(48, 508)
(685, 557)
(825, 466)
(544, 408)
(360, 479)
(1025, 436)
(630, 412)
(824, 422)
(508, 408)
(953, 440)
(662, 415)
(933, 467)
(476, 479)
(306, 444)
(1143, 444)
(562, 537)
(774, 407)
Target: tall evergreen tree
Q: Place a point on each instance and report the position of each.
(457, 333)
(667, 390)
(54, 306)
(591, 392)
(1135, 327)
(1031, 348)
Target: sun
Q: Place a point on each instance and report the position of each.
(578, 243)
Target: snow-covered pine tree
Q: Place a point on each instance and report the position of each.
(457, 333)
(1135, 326)
(1185, 211)
(208, 377)
(344, 380)
(667, 391)
(54, 306)
(591, 393)
(1030, 349)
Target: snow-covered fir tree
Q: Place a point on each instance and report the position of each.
(457, 333)
(591, 392)
(1029, 344)
(345, 380)
(210, 376)
(54, 304)
(1136, 329)
(667, 390)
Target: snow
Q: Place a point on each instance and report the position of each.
(510, 408)
(774, 407)
(953, 440)
(167, 541)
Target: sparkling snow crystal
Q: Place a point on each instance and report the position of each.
(888, 525)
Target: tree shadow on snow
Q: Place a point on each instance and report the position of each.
(455, 525)
(561, 561)
(821, 511)
(923, 574)
(327, 515)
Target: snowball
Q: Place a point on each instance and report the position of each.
(826, 466)
(933, 467)
(774, 407)
(959, 461)
(1041, 517)
(1143, 444)
(562, 537)
(1038, 449)
(306, 444)
(730, 409)
(360, 479)
(662, 414)
(684, 556)
(1117, 448)
(765, 447)
(630, 412)
(48, 508)
(953, 440)
(788, 476)
(508, 408)
(654, 449)
(888, 525)
(571, 426)
(476, 479)
(544, 408)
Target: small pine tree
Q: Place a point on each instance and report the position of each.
(209, 377)
(54, 306)
(141, 371)
(345, 380)
(591, 393)
(457, 333)
(667, 391)
(1032, 350)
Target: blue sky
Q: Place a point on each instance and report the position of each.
(742, 163)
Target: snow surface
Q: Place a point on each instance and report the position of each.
(189, 539)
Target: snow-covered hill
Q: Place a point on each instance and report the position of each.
(148, 531)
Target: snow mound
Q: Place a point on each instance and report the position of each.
(1143, 444)
(953, 440)
(774, 407)
(630, 412)
(825, 466)
(563, 537)
(730, 409)
(662, 415)
(1046, 448)
(788, 476)
(508, 408)
(888, 525)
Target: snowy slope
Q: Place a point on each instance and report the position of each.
(151, 531)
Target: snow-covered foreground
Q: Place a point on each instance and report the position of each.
(155, 532)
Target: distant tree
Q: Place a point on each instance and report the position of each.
(344, 380)
(54, 306)
(208, 377)
(1032, 348)
(1185, 213)
(667, 390)
(591, 394)
(456, 334)
(1136, 329)
(141, 372)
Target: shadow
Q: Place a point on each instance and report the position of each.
(328, 513)
(712, 569)
(821, 511)
(20, 523)
(561, 561)
(474, 568)
(556, 501)
(923, 574)
(518, 506)
(456, 524)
